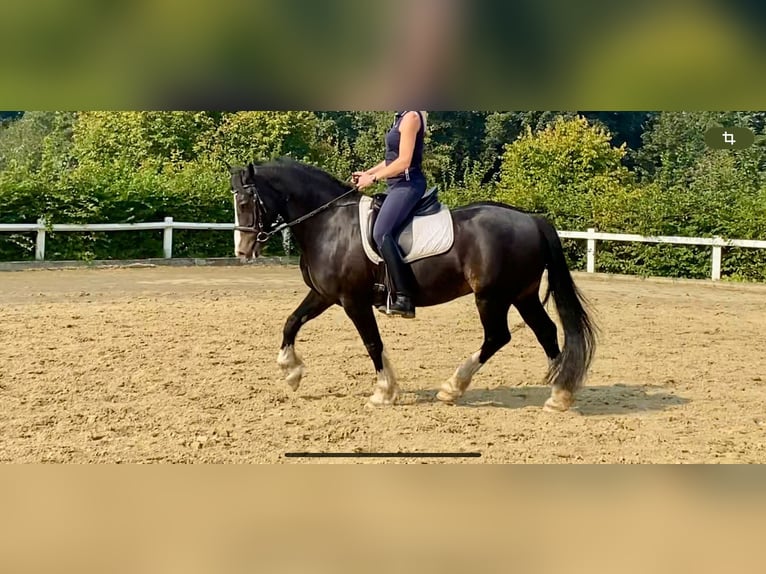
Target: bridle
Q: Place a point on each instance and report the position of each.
(259, 210)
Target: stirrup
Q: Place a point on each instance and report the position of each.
(406, 311)
(379, 295)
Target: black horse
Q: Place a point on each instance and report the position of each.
(498, 253)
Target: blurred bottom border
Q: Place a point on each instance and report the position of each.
(339, 518)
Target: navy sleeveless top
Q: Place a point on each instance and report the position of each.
(393, 137)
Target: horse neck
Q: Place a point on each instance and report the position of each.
(303, 201)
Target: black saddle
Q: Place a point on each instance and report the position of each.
(429, 204)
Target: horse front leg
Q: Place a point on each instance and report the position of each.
(290, 362)
(494, 317)
(386, 390)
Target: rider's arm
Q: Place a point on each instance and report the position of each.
(408, 128)
(377, 168)
(370, 172)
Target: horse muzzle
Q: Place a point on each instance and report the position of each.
(254, 253)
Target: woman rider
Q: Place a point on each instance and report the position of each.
(402, 170)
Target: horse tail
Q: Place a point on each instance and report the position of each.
(569, 369)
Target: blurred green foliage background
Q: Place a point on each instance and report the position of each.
(341, 54)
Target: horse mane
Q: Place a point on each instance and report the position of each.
(306, 173)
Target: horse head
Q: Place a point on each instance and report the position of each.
(285, 190)
(257, 209)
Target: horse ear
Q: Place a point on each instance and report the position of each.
(251, 171)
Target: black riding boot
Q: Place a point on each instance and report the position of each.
(401, 276)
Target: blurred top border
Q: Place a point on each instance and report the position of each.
(422, 54)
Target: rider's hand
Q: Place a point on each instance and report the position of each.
(356, 175)
(365, 180)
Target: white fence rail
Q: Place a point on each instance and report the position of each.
(591, 236)
(166, 227)
(717, 243)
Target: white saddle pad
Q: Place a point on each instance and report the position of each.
(425, 236)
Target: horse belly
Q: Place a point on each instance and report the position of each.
(440, 280)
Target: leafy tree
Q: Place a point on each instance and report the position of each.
(568, 171)
(35, 141)
(245, 136)
(139, 137)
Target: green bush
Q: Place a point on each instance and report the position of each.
(126, 167)
(116, 193)
(570, 173)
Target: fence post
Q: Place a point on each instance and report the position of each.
(236, 224)
(167, 238)
(716, 273)
(591, 251)
(286, 241)
(40, 245)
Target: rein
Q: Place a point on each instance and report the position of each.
(262, 235)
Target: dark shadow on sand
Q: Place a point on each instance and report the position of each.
(324, 396)
(615, 399)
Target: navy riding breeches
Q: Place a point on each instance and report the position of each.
(402, 196)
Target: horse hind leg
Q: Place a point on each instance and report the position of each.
(289, 360)
(533, 313)
(493, 313)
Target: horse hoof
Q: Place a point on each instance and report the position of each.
(293, 383)
(448, 397)
(558, 402)
(552, 406)
(374, 403)
(377, 400)
(294, 377)
(291, 365)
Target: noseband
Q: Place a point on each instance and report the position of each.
(259, 210)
